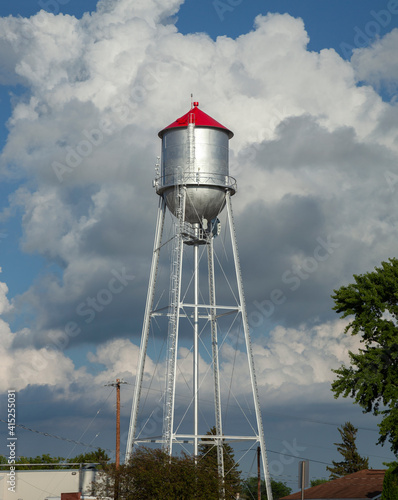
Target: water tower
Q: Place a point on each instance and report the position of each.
(194, 185)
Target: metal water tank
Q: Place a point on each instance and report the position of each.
(195, 154)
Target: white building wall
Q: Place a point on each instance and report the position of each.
(38, 485)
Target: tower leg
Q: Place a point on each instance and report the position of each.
(195, 344)
(145, 327)
(214, 344)
(249, 348)
(174, 320)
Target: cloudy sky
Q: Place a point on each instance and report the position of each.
(309, 90)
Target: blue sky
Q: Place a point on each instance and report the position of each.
(339, 25)
(329, 24)
(314, 152)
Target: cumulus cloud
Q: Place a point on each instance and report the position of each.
(377, 65)
(89, 132)
(306, 355)
(29, 366)
(5, 305)
(308, 186)
(314, 153)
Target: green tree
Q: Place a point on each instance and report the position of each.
(208, 456)
(353, 462)
(151, 473)
(279, 489)
(51, 462)
(99, 457)
(249, 489)
(317, 482)
(390, 483)
(372, 377)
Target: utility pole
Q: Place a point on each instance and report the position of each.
(117, 459)
(304, 468)
(117, 385)
(117, 423)
(258, 473)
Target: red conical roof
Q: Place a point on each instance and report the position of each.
(199, 118)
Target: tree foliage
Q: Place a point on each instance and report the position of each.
(250, 486)
(208, 455)
(99, 457)
(353, 462)
(390, 483)
(372, 377)
(152, 473)
(317, 482)
(51, 462)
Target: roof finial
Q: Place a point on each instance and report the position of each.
(191, 101)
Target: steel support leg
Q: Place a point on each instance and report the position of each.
(174, 321)
(216, 372)
(249, 350)
(145, 328)
(196, 344)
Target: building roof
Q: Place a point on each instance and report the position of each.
(199, 118)
(364, 484)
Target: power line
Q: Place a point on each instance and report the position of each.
(315, 421)
(112, 451)
(285, 415)
(56, 437)
(301, 458)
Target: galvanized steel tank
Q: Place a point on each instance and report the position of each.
(195, 154)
